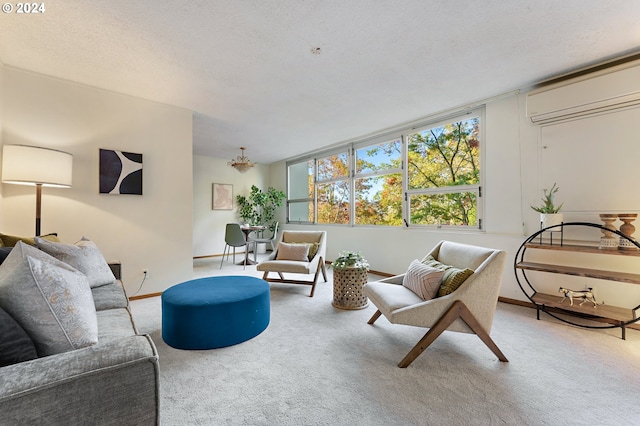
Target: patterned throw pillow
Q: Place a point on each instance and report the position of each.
(298, 252)
(84, 256)
(313, 249)
(423, 280)
(453, 277)
(51, 300)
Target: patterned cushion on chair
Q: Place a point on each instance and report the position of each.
(423, 280)
(297, 252)
(453, 277)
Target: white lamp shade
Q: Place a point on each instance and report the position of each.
(30, 165)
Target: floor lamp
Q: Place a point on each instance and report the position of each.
(30, 165)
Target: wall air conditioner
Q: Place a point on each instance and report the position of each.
(602, 91)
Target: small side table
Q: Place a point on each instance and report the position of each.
(248, 229)
(347, 288)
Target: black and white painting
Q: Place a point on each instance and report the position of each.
(120, 172)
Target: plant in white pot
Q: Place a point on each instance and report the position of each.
(549, 212)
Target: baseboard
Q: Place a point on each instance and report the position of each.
(145, 296)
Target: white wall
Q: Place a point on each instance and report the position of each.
(391, 249)
(517, 167)
(208, 224)
(152, 231)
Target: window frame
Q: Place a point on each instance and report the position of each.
(391, 137)
(402, 134)
(311, 199)
(476, 188)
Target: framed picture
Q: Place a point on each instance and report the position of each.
(120, 172)
(222, 196)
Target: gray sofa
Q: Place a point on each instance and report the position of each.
(115, 381)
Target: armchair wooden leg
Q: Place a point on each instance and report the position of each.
(374, 317)
(457, 310)
(315, 281)
(324, 270)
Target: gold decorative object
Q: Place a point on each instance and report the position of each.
(608, 241)
(627, 229)
(241, 163)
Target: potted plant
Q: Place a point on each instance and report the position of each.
(349, 275)
(549, 212)
(350, 259)
(259, 207)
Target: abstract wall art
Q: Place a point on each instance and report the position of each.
(120, 172)
(222, 196)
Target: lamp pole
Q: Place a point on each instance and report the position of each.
(38, 207)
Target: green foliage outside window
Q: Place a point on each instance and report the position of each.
(443, 180)
(444, 157)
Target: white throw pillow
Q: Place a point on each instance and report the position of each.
(298, 252)
(84, 256)
(50, 299)
(423, 280)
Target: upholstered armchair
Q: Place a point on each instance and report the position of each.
(468, 309)
(297, 252)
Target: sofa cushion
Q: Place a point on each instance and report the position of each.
(109, 296)
(11, 240)
(51, 300)
(297, 252)
(423, 280)
(84, 256)
(453, 277)
(15, 344)
(4, 252)
(115, 324)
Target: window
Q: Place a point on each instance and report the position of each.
(443, 174)
(300, 205)
(378, 183)
(427, 176)
(333, 193)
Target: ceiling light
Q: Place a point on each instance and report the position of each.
(241, 163)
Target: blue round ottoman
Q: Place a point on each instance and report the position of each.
(214, 312)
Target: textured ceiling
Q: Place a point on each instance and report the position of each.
(247, 71)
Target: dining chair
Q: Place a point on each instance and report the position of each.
(234, 237)
(271, 241)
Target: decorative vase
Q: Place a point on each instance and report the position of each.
(551, 219)
(608, 241)
(627, 229)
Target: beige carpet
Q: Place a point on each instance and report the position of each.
(317, 365)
